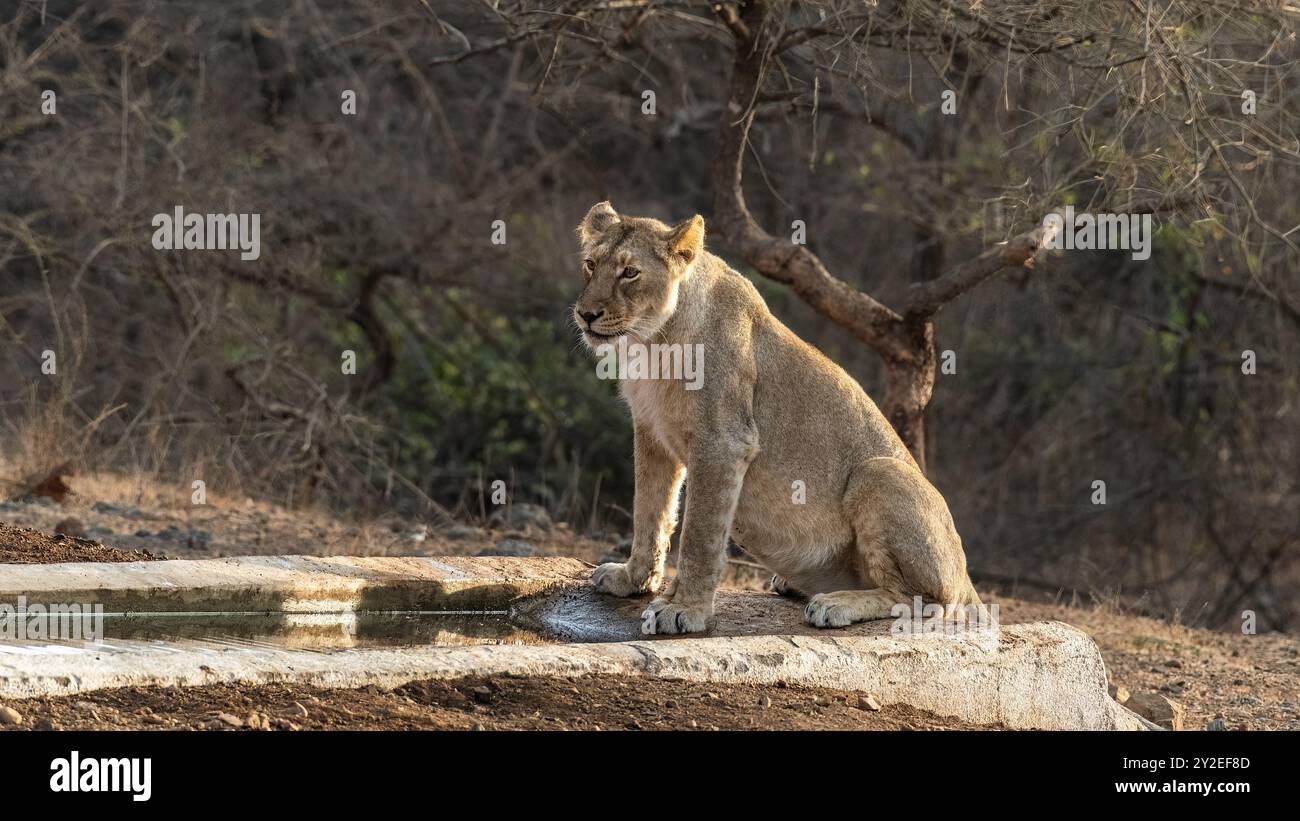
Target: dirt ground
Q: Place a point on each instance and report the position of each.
(22, 545)
(1251, 682)
(135, 513)
(477, 704)
(1247, 681)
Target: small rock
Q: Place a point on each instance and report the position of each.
(1218, 725)
(51, 485)
(114, 510)
(1118, 692)
(521, 516)
(765, 702)
(482, 695)
(70, 526)
(461, 532)
(868, 702)
(822, 701)
(229, 720)
(1157, 709)
(303, 710)
(619, 553)
(511, 547)
(10, 716)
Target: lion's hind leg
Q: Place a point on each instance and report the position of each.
(904, 546)
(781, 587)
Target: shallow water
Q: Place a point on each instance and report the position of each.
(314, 631)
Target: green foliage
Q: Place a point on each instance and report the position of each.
(500, 397)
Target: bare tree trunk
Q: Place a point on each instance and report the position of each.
(904, 340)
(909, 384)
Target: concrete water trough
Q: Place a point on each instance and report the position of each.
(349, 622)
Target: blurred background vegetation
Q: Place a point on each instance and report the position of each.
(376, 238)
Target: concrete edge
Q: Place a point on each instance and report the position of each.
(1028, 676)
(292, 583)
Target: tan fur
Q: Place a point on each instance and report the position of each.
(772, 410)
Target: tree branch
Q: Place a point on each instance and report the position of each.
(927, 297)
(1291, 311)
(778, 259)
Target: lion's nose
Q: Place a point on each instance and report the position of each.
(590, 316)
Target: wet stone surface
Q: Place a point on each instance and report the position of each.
(304, 631)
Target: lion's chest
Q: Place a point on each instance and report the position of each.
(665, 408)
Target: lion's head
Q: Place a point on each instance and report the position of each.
(633, 268)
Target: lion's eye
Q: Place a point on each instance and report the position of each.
(629, 273)
(588, 267)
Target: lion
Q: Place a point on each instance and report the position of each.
(785, 453)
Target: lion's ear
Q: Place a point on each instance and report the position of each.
(686, 241)
(598, 219)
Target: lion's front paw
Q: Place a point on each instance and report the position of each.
(613, 578)
(665, 618)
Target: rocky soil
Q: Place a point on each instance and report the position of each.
(23, 545)
(1183, 677)
(1232, 681)
(474, 704)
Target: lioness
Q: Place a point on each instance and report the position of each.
(870, 532)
